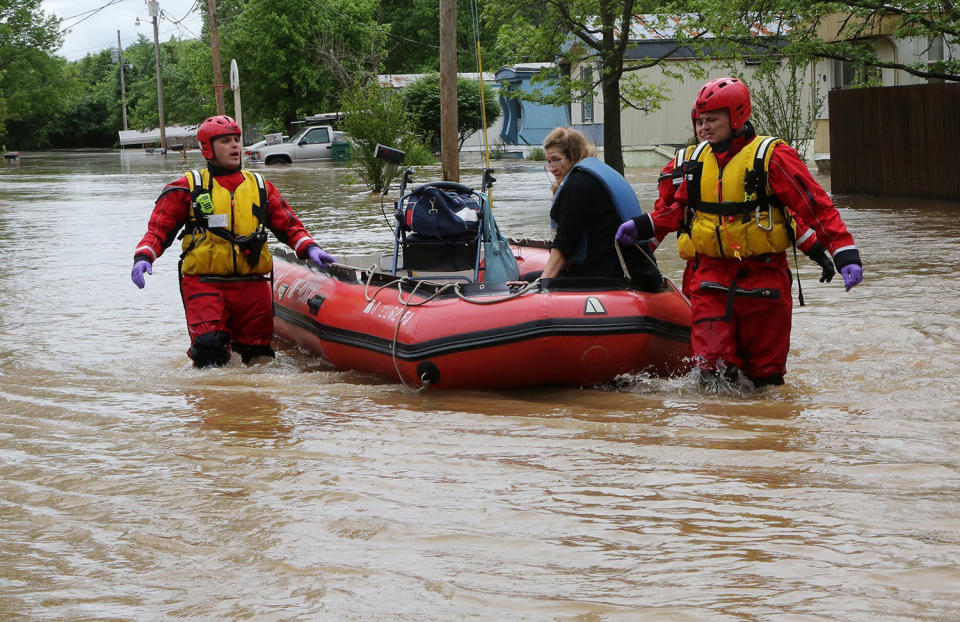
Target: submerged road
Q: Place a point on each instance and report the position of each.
(133, 487)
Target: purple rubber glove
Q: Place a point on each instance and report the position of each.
(627, 233)
(852, 274)
(136, 275)
(319, 257)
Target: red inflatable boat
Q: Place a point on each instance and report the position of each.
(451, 332)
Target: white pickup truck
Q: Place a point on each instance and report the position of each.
(313, 142)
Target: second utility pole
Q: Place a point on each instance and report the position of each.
(218, 85)
(123, 86)
(154, 10)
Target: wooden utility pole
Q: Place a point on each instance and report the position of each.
(154, 10)
(218, 84)
(123, 86)
(449, 147)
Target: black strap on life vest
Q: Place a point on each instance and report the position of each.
(692, 169)
(761, 190)
(755, 181)
(250, 245)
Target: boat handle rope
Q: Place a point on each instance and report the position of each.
(408, 302)
(626, 273)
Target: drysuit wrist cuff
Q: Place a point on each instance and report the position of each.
(846, 257)
(644, 227)
(816, 252)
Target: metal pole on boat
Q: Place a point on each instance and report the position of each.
(449, 147)
(153, 9)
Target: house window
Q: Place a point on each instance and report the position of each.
(847, 75)
(586, 103)
(935, 56)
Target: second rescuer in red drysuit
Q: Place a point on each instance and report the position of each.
(669, 180)
(225, 265)
(734, 209)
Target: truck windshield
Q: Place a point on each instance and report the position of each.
(296, 137)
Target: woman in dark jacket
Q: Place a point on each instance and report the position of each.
(586, 219)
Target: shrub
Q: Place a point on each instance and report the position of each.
(372, 115)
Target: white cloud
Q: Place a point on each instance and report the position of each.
(89, 32)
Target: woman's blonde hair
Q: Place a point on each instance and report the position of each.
(570, 142)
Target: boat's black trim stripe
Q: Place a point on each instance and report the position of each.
(567, 327)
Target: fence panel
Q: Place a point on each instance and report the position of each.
(896, 141)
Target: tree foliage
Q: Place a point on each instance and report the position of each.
(412, 31)
(779, 106)
(581, 29)
(422, 100)
(295, 55)
(846, 32)
(31, 78)
(375, 115)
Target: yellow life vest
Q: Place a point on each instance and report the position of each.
(229, 239)
(734, 214)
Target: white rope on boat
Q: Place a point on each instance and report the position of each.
(409, 302)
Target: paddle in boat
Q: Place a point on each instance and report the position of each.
(446, 308)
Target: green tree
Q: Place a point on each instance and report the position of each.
(585, 29)
(32, 80)
(412, 28)
(294, 55)
(91, 116)
(375, 115)
(187, 83)
(845, 32)
(779, 105)
(422, 100)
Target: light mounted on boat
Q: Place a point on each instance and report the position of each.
(392, 157)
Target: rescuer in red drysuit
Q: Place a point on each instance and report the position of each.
(225, 265)
(734, 209)
(670, 177)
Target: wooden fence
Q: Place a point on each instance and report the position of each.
(896, 141)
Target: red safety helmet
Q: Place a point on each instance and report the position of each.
(694, 115)
(726, 94)
(213, 127)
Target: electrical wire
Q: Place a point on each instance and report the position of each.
(89, 14)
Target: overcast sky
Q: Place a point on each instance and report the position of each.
(89, 30)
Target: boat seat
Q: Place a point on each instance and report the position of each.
(439, 233)
(429, 254)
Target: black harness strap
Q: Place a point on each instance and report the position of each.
(733, 291)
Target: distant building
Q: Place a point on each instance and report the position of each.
(830, 74)
(525, 122)
(184, 137)
(649, 137)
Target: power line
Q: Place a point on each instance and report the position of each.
(89, 13)
(80, 53)
(179, 23)
(189, 11)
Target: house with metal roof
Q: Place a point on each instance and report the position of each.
(526, 123)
